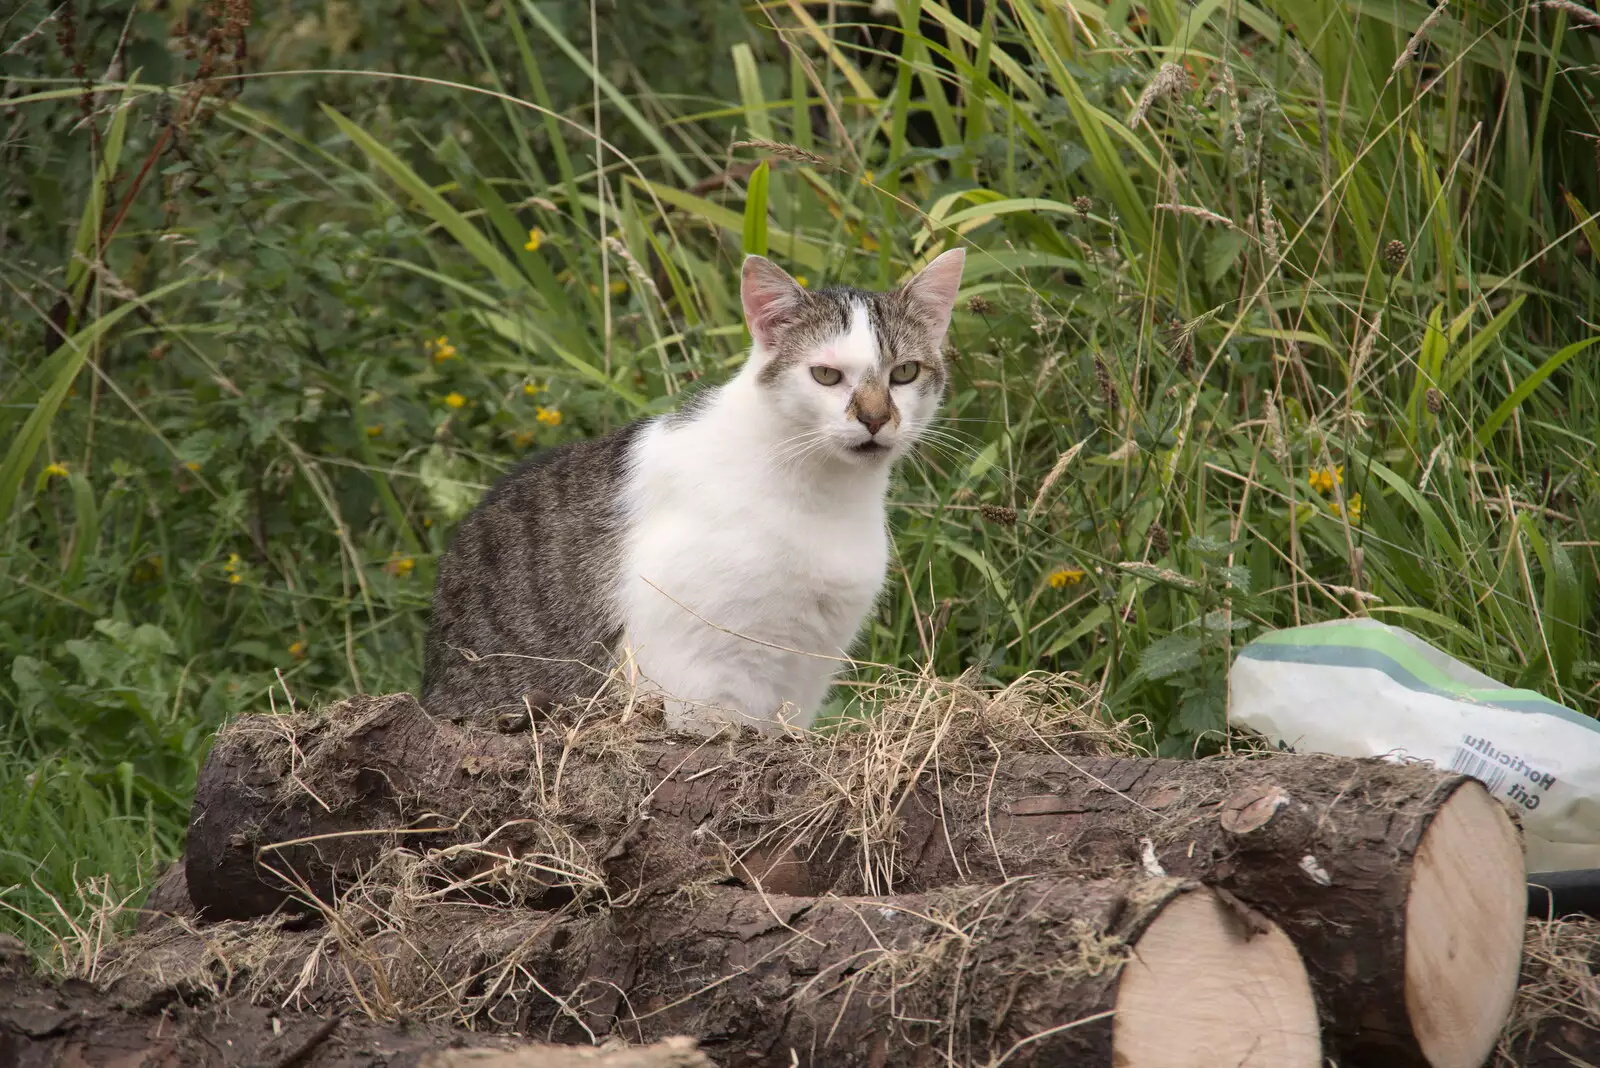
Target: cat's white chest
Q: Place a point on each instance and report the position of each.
(737, 596)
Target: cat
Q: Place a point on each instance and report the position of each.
(724, 556)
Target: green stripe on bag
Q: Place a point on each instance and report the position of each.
(1352, 646)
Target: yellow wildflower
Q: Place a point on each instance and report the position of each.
(56, 471)
(867, 241)
(801, 279)
(522, 438)
(619, 287)
(1066, 576)
(1352, 508)
(427, 520)
(530, 389)
(298, 649)
(442, 349)
(535, 239)
(191, 466)
(401, 567)
(454, 400)
(548, 416)
(234, 580)
(233, 562)
(1324, 479)
(374, 430)
(867, 177)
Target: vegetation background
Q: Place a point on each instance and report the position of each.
(1276, 311)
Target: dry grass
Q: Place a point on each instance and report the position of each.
(586, 769)
(1560, 982)
(949, 732)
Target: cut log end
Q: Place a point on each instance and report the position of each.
(1464, 926)
(1204, 989)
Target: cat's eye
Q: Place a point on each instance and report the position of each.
(826, 376)
(905, 372)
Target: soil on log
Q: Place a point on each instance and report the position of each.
(1402, 886)
(1558, 1044)
(73, 1023)
(168, 899)
(1133, 972)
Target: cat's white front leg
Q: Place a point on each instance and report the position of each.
(713, 681)
(704, 718)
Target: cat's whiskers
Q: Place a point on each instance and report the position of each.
(921, 458)
(942, 427)
(920, 462)
(936, 439)
(790, 451)
(795, 459)
(795, 440)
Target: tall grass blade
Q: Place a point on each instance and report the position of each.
(643, 126)
(59, 371)
(1525, 389)
(755, 212)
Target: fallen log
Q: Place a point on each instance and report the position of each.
(54, 1024)
(1401, 886)
(1133, 972)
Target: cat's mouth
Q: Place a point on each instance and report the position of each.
(869, 448)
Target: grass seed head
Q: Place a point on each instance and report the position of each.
(998, 513)
(1108, 390)
(782, 150)
(1169, 81)
(1159, 543)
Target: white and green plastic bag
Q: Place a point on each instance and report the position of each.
(1360, 688)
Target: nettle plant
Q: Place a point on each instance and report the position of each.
(1189, 666)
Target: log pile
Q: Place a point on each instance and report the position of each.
(53, 1025)
(955, 885)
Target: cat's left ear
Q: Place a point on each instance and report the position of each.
(771, 298)
(933, 291)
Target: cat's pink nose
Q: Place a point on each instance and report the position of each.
(872, 421)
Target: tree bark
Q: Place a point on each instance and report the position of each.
(1134, 972)
(168, 899)
(49, 1024)
(1402, 886)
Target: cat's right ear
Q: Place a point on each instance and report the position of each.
(771, 298)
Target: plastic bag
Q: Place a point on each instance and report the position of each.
(1360, 688)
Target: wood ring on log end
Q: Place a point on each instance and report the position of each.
(1202, 991)
(1464, 929)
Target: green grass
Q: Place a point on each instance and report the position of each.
(1304, 257)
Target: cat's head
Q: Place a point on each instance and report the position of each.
(849, 373)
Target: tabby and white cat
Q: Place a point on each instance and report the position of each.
(725, 555)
